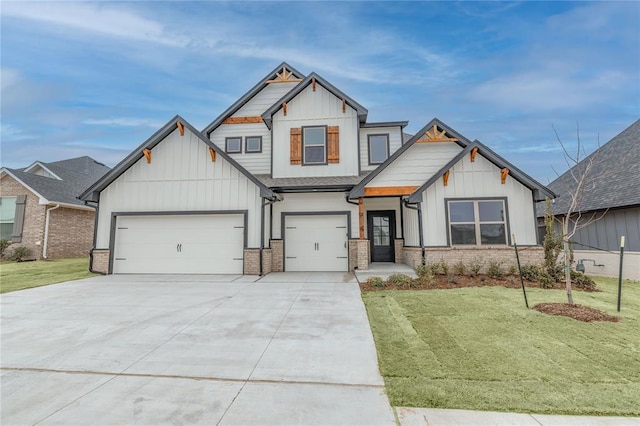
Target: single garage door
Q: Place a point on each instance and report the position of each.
(184, 244)
(316, 243)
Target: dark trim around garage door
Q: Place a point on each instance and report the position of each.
(283, 216)
(114, 217)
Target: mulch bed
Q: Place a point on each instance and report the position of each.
(578, 312)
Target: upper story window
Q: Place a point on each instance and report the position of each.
(378, 148)
(314, 143)
(233, 145)
(477, 222)
(253, 144)
(7, 216)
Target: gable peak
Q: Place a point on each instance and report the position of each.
(284, 76)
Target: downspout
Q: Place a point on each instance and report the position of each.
(418, 208)
(346, 198)
(262, 216)
(95, 233)
(46, 230)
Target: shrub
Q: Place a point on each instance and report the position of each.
(494, 270)
(546, 280)
(425, 275)
(375, 282)
(530, 272)
(475, 266)
(399, 279)
(513, 270)
(3, 246)
(19, 253)
(459, 268)
(439, 268)
(422, 270)
(582, 281)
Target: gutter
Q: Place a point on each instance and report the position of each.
(418, 208)
(46, 230)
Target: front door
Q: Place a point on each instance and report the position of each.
(381, 230)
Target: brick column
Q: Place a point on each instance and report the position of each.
(251, 261)
(277, 255)
(363, 254)
(398, 250)
(101, 261)
(266, 261)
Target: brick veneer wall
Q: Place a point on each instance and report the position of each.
(33, 228)
(100, 261)
(277, 255)
(266, 261)
(251, 261)
(398, 246)
(363, 255)
(353, 254)
(70, 233)
(468, 255)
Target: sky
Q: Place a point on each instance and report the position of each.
(99, 78)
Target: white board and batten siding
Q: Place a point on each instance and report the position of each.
(327, 202)
(416, 165)
(395, 142)
(480, 179)
(319, 108)
(264, 99)
(181, 177)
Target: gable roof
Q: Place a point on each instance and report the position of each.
(539, 190)
(614, 180)
(268, 114)
(74, 176)
(91, 193)
(247, 97)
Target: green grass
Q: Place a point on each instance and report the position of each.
(19, 276)
(481, 349)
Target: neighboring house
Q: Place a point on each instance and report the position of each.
(40, 209)
(612, 196)
(292, 177)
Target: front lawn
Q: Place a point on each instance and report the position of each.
(479, 348)
(18, 276)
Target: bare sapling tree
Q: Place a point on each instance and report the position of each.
(580, 180)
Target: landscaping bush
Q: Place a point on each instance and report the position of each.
(459, 268)
(19, 253)
(475, 267)
(530, 272)
(513, 270)
(375, 282)
(400, 279)
(3, 246)
(439, 268)
(494, 270)
(546, 280)
(425, 275)
(582, 281)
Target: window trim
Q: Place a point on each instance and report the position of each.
(13, 222)
(246, 145)
(226, 145)
(477, 221)
(326, 143)
(369, 148)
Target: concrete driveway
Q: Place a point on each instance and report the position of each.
(290, 348)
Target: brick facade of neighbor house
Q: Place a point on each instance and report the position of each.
(470, 255)
(70, 233)
(34, 214)
(100, 261)
(70, 230)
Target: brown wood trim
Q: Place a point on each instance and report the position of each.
(212, 152)
(181, 128)
(295, 146)
(389, 190)
(361, 217)
(243, 120)
(503, 175)
(445, 177)
(474, 152)
(333, 144)
(147, 155)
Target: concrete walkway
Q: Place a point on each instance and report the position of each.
(287, 349)
(442, 417)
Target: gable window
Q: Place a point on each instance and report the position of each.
(378, 148)
(233, 145)
(477, 222)
(253, 144)
(7, 216)
(314, 143)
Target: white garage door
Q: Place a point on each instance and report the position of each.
(185, 244)
(316, 243)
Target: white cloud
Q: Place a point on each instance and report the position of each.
(123, 122)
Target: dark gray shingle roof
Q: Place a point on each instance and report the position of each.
(311, 182)
(77, 174)
(614, 180)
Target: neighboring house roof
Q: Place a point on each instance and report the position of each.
(91, 193)
(614, 180)
(361, 111)
(247, 96)
(540, 191)
(73, 177)
(305, 183)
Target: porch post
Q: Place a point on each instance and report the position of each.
(361, 217)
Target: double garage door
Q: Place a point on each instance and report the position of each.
(179, 244)
(316, 242)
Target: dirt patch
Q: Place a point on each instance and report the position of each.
(578, 312)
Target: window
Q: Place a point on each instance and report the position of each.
(233, 145)
(314, 143)
(253, 144)
(477, 222)
(378, 148)
(7, 217)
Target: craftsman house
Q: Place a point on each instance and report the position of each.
(292, 177)
(40, 208)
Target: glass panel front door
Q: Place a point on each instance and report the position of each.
(381, 231)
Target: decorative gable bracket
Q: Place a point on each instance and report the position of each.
(435, 135)
(284, 76)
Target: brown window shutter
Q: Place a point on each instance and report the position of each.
(333, 144)
(296, 146)
(18, 221)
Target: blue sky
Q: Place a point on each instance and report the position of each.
(99, 78)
